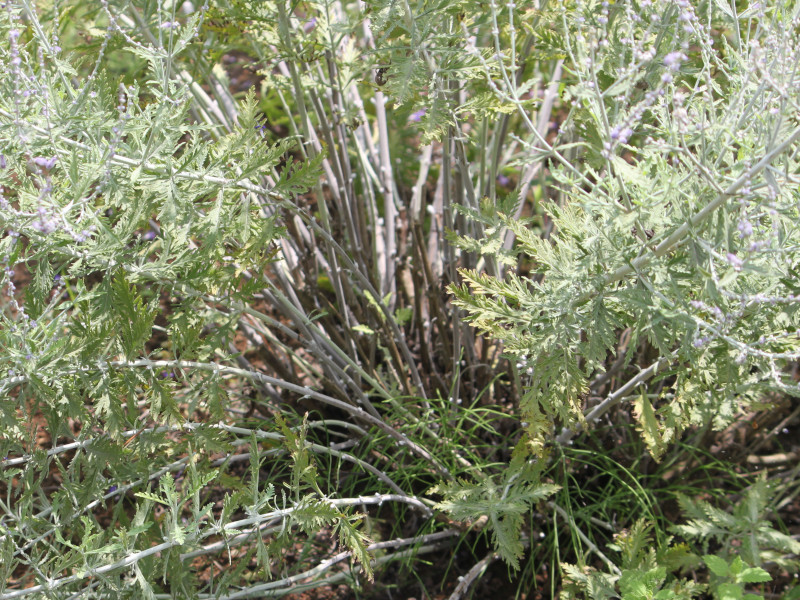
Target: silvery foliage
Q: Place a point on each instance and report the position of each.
(675, 221)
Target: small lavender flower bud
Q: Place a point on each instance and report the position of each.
(734, 261)
(745, 228)
(45, 163)
(673, 60)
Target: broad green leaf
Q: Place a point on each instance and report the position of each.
(717, 565)
(754, 575)
(729, 591)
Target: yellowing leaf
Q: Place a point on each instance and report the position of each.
(648, 426)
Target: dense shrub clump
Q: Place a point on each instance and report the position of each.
(309, 294)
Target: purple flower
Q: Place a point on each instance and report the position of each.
(503, 180)
(417, 116)
(45, 224)
(735, 261)
(149, 235)
(309, 25)
(621, 134)
(673, 60)
(112, 489)
(745, 228)
(45, 163)
(2, 162)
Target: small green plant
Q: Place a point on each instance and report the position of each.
(645, 573)
(648, 568)
(744, 532)
(730, 579)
